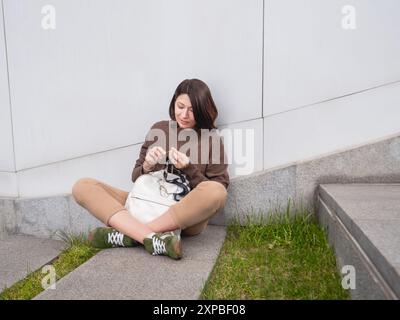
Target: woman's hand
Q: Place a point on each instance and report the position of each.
(153, 156)
(178, 159)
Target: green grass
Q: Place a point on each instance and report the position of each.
(77, 252)
(286, 256)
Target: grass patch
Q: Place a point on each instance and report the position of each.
(284, 256)
(78, 250)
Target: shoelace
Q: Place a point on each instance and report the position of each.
(116, 238)
(158, 246)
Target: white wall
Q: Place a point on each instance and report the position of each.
(309, 59)
(8, 183)
(84, 95)
(95, 84)
(331, 126)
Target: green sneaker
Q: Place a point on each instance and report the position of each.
(167, 243)
(106, 237)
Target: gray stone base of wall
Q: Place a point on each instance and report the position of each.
(265, 191)
(260, 192)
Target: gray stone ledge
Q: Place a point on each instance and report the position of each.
(369, 216)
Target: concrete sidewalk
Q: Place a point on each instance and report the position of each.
(21, 255)
(132, 273)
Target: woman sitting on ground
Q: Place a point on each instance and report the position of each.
(191, 109)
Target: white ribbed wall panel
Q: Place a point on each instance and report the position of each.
(110, 68)
(331, 126)
(309, 57)
(84, 95)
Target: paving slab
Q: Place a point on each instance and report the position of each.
(132, 273)
(21, 255)
(371, 213)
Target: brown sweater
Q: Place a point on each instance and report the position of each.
(197, 170)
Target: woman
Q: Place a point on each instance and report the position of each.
(192, 110)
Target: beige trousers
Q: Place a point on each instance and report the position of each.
(191, 214)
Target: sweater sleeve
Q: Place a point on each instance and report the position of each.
(215, 170)
(138, 169)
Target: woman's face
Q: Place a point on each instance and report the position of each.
(184, 112)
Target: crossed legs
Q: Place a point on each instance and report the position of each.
(191, 214)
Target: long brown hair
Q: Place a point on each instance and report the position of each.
(204, 109)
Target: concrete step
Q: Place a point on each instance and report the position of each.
(363, 223)
(21, 255)
(132, 273)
